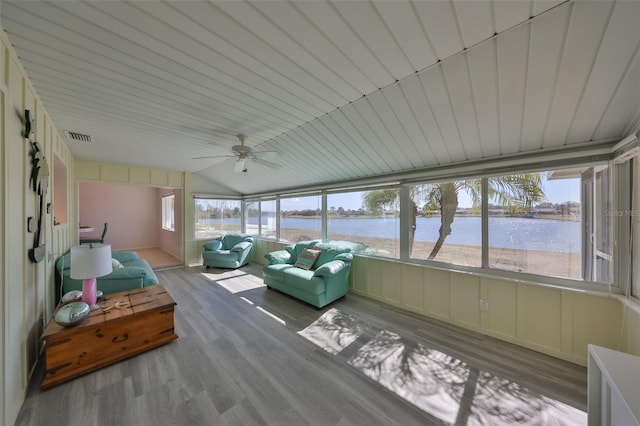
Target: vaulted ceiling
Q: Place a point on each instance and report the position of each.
(340, 90)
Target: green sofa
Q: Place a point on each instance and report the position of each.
(134, 273)
(325, 282)
(228, 251)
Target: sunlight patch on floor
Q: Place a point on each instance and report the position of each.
(454, 391)
(234, 281)
(333, 331)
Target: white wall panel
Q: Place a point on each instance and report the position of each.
(540, 316)
(392, 288)
(438, 293)
(465, 300)
(413, 288)
(501, 318)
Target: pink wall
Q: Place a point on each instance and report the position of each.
(133, 213)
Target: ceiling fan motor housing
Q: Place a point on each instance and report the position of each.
(241, 150)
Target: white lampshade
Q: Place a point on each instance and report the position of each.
(90, 261)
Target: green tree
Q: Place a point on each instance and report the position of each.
(518, 191)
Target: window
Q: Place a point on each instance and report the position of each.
(168, 212)
(216, 217)
(261, 218)
(301, 218)
(536, 223)
(446, 223)
(370, 219)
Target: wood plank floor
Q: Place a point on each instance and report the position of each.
(251, 356)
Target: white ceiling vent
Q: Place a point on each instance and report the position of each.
(78, 137)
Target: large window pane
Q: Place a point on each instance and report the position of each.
(446, 222)
(216, 217)
(268, 219)
(372, 229)
(535, 223)
(301, 218)
(252, 215)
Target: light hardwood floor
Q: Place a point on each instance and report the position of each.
(158, 258)
(251, 356)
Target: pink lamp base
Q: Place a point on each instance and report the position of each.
(90, 292)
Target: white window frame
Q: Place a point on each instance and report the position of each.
(168, 212)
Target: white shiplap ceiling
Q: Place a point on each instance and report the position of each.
(340, 89)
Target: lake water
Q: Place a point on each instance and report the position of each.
(504, 232)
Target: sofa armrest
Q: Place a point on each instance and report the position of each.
(278, 257)
(241, 246)
(330, 268)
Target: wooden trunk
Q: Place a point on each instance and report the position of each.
(109, 336)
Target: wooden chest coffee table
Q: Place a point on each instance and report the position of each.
(107, 337)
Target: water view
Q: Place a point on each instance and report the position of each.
(549, 235)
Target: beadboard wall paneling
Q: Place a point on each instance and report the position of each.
(28, 289)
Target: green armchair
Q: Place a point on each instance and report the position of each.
(229, 251)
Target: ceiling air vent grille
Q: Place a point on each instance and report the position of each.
(78, 137)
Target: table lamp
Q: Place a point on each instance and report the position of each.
(89, 261)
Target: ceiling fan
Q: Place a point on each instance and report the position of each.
(244, 153)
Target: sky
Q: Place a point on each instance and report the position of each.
(556, 191)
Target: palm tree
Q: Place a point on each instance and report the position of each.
(518, 191)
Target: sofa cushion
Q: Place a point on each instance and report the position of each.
(278, 257)
(298, 248)
(230, 240)
(329, 252)
(220, 254)
(276, 270)
(303, 280)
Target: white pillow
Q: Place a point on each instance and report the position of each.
(115, 264)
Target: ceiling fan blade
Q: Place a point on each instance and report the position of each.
(267, 154)
(212, 156)
(266, 163)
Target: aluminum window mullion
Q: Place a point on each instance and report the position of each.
(484, 217)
